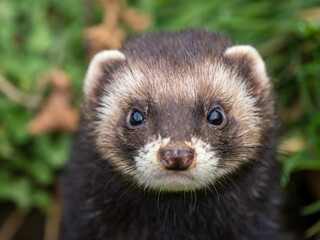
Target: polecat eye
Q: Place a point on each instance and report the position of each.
(136, 118)
(216, 118)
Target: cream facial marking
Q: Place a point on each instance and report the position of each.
(150, 174)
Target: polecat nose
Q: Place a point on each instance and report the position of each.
(176, 159)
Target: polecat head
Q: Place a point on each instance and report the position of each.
(176, 112)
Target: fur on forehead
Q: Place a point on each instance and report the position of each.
(174, 55)
(183, 67)
(209, 81)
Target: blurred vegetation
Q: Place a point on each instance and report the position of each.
(34, 37)
(38, 35)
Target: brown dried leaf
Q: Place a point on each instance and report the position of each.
(309, 14)
(136, 20)
(293, 113)
(109, 34)
(98, 39)
(292, 145)
(57, 114)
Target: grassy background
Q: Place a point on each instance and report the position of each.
(38, 35)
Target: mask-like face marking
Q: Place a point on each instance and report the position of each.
(209, 106)
(150, 174)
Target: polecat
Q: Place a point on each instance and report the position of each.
(177, 141)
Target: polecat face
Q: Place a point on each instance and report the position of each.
(173, 119)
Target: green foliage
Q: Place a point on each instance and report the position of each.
(34, 37)
(38, 35)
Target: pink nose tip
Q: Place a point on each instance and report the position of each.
(176, 159)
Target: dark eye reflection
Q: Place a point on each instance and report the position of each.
(136, 118)
(216, 117)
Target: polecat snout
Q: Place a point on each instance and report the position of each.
(177, 141)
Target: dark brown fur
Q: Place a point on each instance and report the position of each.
(103, 203)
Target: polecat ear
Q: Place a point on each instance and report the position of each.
(99, 68)
(248, 56)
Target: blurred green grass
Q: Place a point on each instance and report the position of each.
(38, 35)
